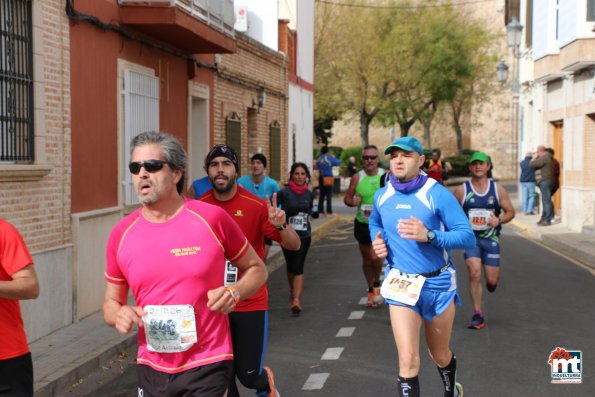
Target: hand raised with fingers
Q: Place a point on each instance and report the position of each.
(276, 215)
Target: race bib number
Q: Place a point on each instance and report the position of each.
(402, 287)
(300, 221)
(231, 274)
(169, 328)
(366, 210)
(479, 218)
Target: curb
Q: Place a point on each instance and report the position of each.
(64, 378)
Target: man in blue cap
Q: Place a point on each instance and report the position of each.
(415, 222)
(488, 207)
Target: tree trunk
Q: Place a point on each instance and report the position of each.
(364, 128)
(427, 133)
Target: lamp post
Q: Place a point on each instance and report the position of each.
(514, 31)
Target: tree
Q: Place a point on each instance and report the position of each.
(350, 71)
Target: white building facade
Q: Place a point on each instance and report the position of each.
(560, 104)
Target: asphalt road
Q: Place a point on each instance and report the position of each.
(544, 301)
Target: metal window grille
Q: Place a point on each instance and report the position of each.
(141, 114)
(275, 144)
(16, 81)
(233, 133)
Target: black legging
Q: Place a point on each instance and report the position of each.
(295, 259)
(249, 338)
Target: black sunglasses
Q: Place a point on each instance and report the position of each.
(150, 166)
(369, 157)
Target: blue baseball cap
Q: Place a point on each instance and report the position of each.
(406, 143)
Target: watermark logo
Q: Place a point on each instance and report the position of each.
(567, 365)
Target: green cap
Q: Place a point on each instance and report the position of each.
(479, 156)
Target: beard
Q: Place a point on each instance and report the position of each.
(225, 188)
(150, 198)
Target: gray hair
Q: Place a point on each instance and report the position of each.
(173, 151)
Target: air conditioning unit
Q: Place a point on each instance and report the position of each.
(241, 24)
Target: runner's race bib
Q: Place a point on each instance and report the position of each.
(299, 221)
(231, 274)
(479, 218)
(169, 328)
(402, 287)
(366, 210)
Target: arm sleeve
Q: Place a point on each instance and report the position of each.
(458, 233)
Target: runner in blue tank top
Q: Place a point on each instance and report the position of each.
(414, 223)
(487, 206)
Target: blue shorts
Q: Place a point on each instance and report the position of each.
(488, 249)
(431, 303)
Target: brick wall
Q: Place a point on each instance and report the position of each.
(253, 65)
(40, 209)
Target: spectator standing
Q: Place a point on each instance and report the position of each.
(261, 185)
(556, 171)
(199, 187)
(325, 164)
(18, 281)
(297, 201)
(351, 167)
(527, 180)
(542, 162)
(171, 253)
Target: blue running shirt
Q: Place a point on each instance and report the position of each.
(488, 200)
(439, 211)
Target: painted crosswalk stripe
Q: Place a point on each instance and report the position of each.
(315, 381)
(332, 353)
(345, 332)
(356, 315)
(363, 301)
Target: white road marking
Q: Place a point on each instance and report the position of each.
(356, 315)
(363, 301)
(315, 381)
(332, 353)
(345, 332)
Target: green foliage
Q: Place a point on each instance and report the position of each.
(322, 128)
(355, 151)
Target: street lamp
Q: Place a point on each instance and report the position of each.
(502, 72)
(514, 32)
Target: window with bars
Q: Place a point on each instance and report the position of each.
(16, 81)
(141, 114)
(275, 145)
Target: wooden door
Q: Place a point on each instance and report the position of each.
(558, 155)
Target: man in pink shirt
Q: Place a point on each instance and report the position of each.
(171, 253)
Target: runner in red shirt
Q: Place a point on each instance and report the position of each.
(257, 219)
(18, 280)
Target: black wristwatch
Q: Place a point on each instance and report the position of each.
(430, 236)
(282, 227)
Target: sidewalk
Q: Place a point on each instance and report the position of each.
(69, 354)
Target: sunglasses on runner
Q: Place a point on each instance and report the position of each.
(369, 157)
(151, 166)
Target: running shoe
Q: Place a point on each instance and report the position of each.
(459, 389)
(477, 322)
(377, 299)
(271, 376)
(370, 299)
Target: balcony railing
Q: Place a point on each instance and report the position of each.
(218, 14)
